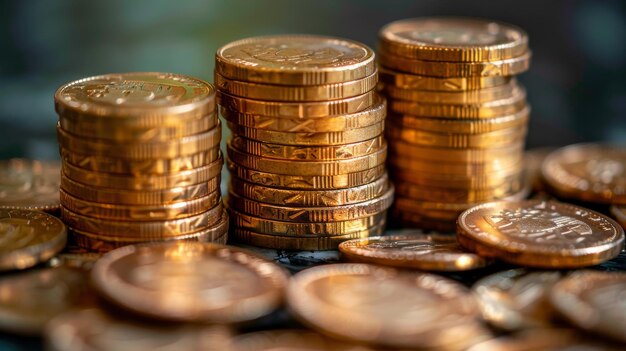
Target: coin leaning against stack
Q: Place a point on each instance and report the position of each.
(140, 160)
(307, 152)
(457, 117)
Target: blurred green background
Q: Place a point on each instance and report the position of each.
(575, 85)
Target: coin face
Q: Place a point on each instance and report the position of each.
(383, 306)
(593, 301)
(188, 281)
(436, 252)
(28, 238)
(29, 184)
(276, 340)
(538, 233)
(588, 172)
(517, 298)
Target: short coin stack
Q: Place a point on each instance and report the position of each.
(307, 154)
(141, 160)
(457, 118)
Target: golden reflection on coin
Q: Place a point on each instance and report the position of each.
(430, 252)
(383, 306)
(187, 281)
(594, 301)
(541, 234)
(28, 238)
(290, 339)
(517, 298)
(30, 184)
(552, 339)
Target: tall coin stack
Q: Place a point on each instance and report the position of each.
(307, 152)
(457, 117)
(140, 160)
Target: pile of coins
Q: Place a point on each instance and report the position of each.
(140, 160)
(307, 154)
(457, 117)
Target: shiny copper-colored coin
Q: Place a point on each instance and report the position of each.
(141, 98)
(365, 118)
(540, 234)
(29, 184)
(363, 303)
(461, 97)
(271, 92)
(465, 156)
(437, 84)
(453, 39)
(295, 60)
(430, 252)
(496, 139)
(545, 339)
(28, 238)
(426, 193)
(619, 212)
(290, 339)
(187, 281)
(405, 161)
(479, 181)
(587, 172)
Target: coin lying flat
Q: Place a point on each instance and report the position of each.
(187, 281)
(434, 252)
(593, 301)
(290, 339)
(29, 184)
(540, 234)
(517, 298)
(557, 339)
(381, 305)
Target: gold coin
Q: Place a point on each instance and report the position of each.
(437, 84)
(273, 92)
(28, 238)
(370, 116)
(141, 167)
(464, 156)
(480, 181)
(411, 191)
(453, 39)
(619, 213)
(140, 151)
(593, 301)
(94, 329)
(310, 198)
(98, 128)
(362, 302)
(517, 299)
(317, 242)
(490, 109)
(295, 60)
(587, 172)
(402, 161)
(307, 152)
(145, 181)
(170, 211)
(29, 184)
(141, 99)
(290, 339)
(507, 67)
(308, 168)
(496, 139)
(313, 138)
(143, 229)
(294, 229)
(140, 197)
(341, 181)
(202, 282)
(540, 234)
(440, 125)
(499, 92)
(429, 252)
(312, 214)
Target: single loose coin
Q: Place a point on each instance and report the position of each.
(468, 156)
(619, 212)
(379, 305)
(496, 139)
(28, 238)
(438, 84)
(430, 252)
(587, 172)
(29, 184)
(453, 39)
(295, 60)
(290, 339)
(187, 281)
(593, 301)
(462, 97)
(273, 92)
(141, 98)
(540, 234)
(517, 299)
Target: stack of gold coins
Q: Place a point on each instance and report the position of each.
(140, 160)
(307, 152)
(457, 117)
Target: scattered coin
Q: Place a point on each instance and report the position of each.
(29, 185)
